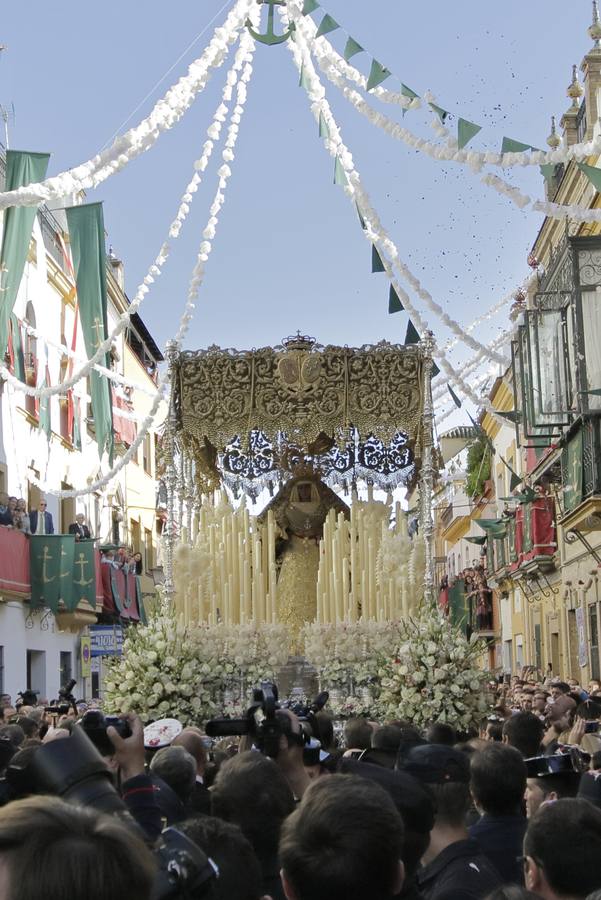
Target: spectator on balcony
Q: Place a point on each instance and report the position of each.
(80, 529)
(21, 517)
(41, 519)
(5, 516)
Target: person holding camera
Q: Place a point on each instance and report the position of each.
(584, 733)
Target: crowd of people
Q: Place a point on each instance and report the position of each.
(381, 810)
(13, 514)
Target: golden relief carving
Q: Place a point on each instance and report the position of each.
(303, 391)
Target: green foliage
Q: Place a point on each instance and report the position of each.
(478, 467)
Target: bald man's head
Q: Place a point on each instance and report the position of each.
(190, 739)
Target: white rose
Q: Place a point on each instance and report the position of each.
(164, 706)
(151, 656)
(157, 688)
(170, 687)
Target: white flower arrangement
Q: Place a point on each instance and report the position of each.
(348, 658)
(192, 672)
(434, 675)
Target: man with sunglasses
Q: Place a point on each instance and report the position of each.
(41, 520)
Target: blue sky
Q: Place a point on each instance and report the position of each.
(289, 253)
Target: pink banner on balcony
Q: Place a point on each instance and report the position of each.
(543, 527)
(119, 592)
(14, 562)
(125, 429)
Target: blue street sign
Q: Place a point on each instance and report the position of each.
(107, 640)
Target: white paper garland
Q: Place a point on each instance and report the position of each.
(333, 65)
(247, 46)
(165, 114)
(155, 270)
(374, 231)
(406, 273)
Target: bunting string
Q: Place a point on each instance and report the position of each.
(155, 270)
(449, 152)
(336, 67)
(403, 269)
(353, 187)
(247, 47)
(166, 113)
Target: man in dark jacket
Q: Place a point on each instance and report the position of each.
(498, 784)
(453, 864)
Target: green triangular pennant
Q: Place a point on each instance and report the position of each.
(435, 370)
(394, 301)
(407, 92)
(595, 393)
(361, 218)
(514, 482)
(548, 171)
(527, 496)
(466, 131)
(324, 131)
(309, 6)
(339, 174)
(454, 397)
(378, 74)
(593, 174)
(327, 24)
(480, 540)
(352, 48)
(376, 261)
(440, 112)
(412, 336)
(303, 80)
(511, 146)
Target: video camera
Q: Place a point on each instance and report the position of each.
(264, 724)
(74, 770)
(27, 698)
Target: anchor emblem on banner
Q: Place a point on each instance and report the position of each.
(270, 37)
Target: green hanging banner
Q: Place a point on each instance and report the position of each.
(440, 112)
(376, 261)
(21, 169)
(339, 174)
(572, 472)
(394, 302)
(592, 173)
(352, 48)
(328, 24)
(77, 424)
(377, 75)
(324, 131)
(466, 131)
(84, 575)
(17, 356)
(44, 416)
(309, 6)
(477, 540)
(86, 230)
(51, 568)
(412, 336)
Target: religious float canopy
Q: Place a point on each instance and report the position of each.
(252, 418)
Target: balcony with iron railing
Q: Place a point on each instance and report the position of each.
(557, 378)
